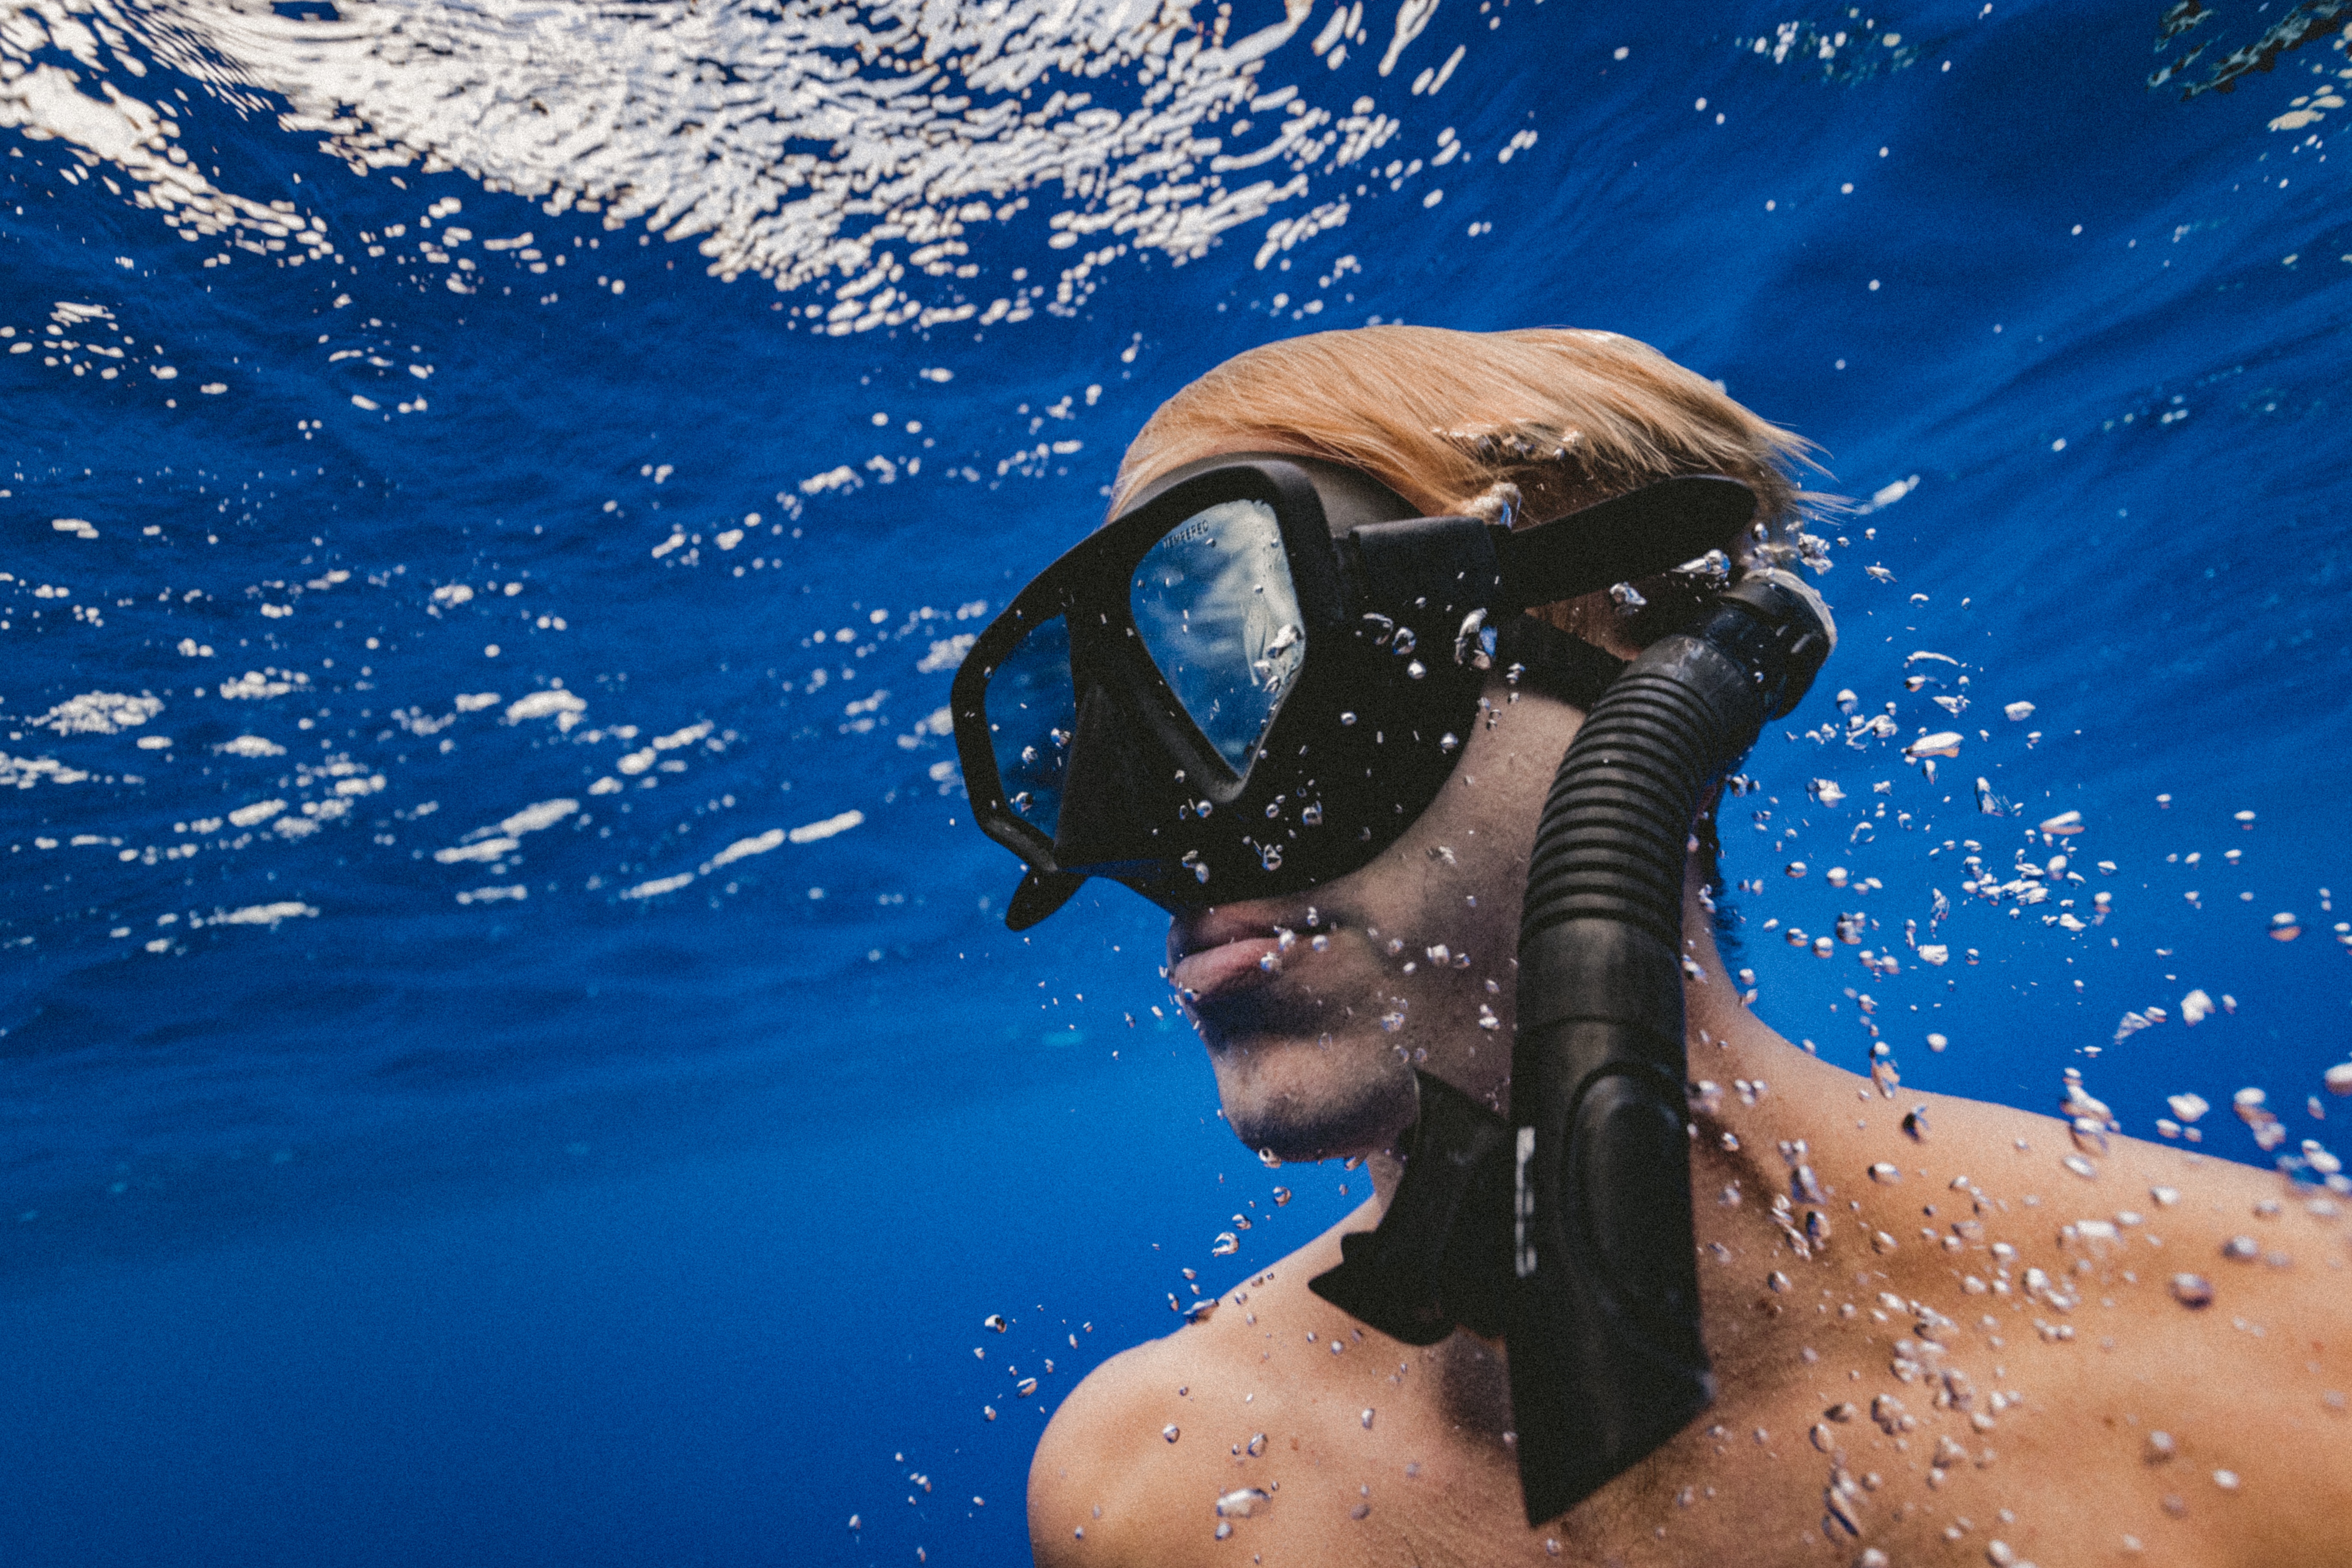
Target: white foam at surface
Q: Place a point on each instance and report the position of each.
(46, 103)
(255, 684)
(1412, 16)
(474, 702)
(259, 915)
(659, 886)
(810, 833)
(487, 849)
(493, 895)
(24, 773)
(945, 654)
(250, 746)
(531, 818)
(771, 132)
(259, 811)
(99, 713)
(745, 846)
(544, 704)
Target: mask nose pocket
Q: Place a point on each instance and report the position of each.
(1107, 808)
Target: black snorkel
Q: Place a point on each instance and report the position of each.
(1568, 1228)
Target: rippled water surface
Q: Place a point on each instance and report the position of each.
(507, 1052)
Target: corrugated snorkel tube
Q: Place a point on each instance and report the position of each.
(1606, 1358)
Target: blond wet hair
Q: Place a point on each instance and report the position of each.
(1444, 419)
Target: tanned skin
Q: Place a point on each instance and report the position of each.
(1836, 1433)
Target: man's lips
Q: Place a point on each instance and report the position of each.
(1205, 971)
(1219, 949)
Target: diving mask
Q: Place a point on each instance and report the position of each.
(1254, 678)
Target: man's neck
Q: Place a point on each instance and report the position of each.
(1723, 1040)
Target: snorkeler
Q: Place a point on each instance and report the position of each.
(1407, 676)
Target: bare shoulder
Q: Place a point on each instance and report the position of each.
(2175, 1326)
(1092, 1485)
(2227, 1327)
(1131, 1470)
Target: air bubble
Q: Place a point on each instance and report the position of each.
(2192, 1291)
(1171, 1432)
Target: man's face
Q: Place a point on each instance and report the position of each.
(1314, 1043)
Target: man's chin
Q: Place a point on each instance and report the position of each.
(1302, 1099)
(1272, 1009)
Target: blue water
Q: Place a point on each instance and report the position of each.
(373, 1196)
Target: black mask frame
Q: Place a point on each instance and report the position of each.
(1402, 618)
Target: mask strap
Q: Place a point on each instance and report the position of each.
(1637, 535)
(1554, 662)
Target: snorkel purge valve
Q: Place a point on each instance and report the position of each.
(1567, 1228)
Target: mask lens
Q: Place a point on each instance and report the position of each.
(1215, 607)
(1032, 712)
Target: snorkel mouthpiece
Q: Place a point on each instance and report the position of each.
(1593, 1263)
